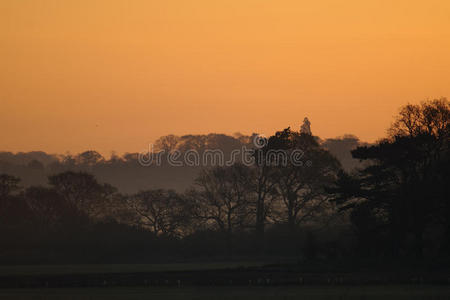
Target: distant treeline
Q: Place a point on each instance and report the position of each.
(394, 204)
(125, 172)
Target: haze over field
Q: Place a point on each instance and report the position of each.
(129, 175)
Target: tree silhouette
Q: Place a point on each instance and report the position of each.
(301, 184)
(8, 185)
(83, 192)
(160, 211)
(223, 198)
(404, 185)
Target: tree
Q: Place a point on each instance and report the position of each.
(427, 118)
(10, 204)
(49, 208)
(405, 183)
(89, 158)
(8, 185)
(14, 213)
(263, 184)
(167, 143)
(160, 211)
(84, 192)
(301, 184)
(223, 197)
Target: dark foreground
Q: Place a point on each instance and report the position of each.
(217, 281)
(217, 293)
(210, 276)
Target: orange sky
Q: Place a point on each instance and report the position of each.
(115, 74)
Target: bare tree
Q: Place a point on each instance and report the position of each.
(223, 197)
(160, 211)
(167, 143)
(429, 117)
(84, 192)
(301, 186)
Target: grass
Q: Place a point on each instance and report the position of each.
(118, 268)
(218, 293)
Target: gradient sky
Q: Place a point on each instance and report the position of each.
(115, 74)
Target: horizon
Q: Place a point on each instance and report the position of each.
(108, 154)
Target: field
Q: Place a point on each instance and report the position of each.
(227, 280)
(119, 268)
(217, 293)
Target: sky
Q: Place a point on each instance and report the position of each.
(114, 75)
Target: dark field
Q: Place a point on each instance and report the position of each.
(305, 292)
(118, 268)
(220, 274)
(238, 280)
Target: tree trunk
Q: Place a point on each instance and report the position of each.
(259, 226)
(291, 214)
(229, 236)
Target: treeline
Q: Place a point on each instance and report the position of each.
(237, 210)
(399, 204)
(394, 205)
(129, 176)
